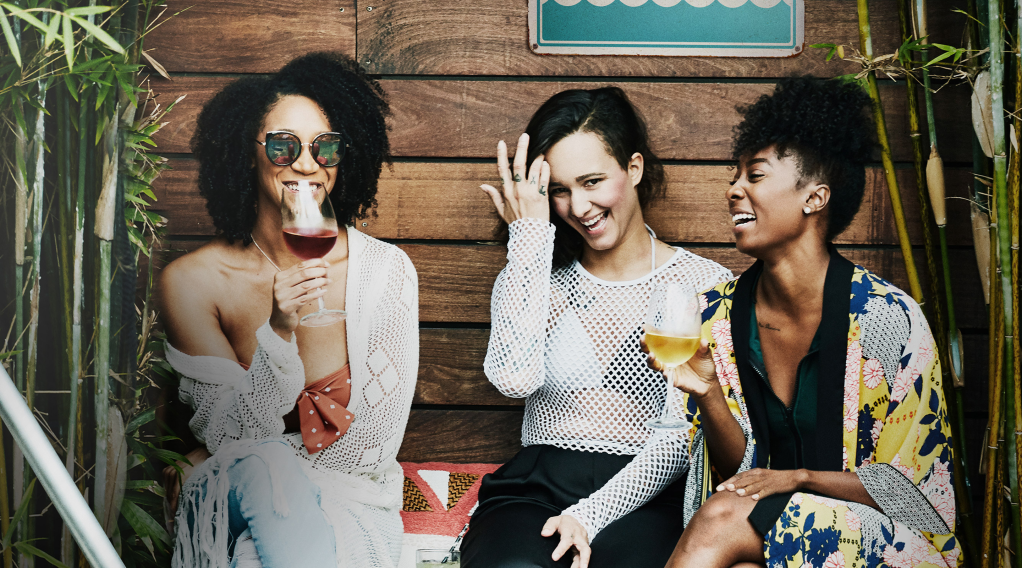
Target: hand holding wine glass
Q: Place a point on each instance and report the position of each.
(672, 335)
(310, 232)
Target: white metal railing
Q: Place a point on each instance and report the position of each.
(54, 478)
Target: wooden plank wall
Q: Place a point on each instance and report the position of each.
(460, 76)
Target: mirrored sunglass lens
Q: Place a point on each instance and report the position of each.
(327, 150)
(282, 150)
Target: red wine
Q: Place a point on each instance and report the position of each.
(309, 243)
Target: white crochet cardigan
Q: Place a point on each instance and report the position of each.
(358, 476)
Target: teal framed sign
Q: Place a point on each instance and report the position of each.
(723, 28)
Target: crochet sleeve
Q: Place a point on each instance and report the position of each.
(253, 406)
(519, 310)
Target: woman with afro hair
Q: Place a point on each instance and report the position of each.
(303, 424)
(836, 368)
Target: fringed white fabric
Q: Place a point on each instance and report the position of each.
(359, 478)
(568, 341)
(204, 542)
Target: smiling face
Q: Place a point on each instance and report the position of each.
(767, 207)
(592, 193)
(302, 117)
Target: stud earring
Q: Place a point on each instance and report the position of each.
(806, 210)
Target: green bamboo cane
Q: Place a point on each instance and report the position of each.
(931, 190)
(105, 232)
(866, 43)
(918, 160)
(1003, 240)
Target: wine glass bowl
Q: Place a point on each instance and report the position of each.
(310, 231)
(673, 325)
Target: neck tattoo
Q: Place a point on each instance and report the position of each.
(263, 252)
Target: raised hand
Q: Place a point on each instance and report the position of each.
(524, 192)
(292, 289)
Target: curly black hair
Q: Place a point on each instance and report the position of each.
(228, 126)
(609, 114)
(827, 125)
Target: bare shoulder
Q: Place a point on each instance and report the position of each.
(187, 299)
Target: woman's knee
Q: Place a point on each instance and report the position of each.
(722, 509)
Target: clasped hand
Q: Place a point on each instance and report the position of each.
(522, 195)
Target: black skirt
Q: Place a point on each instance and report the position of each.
(540, 482)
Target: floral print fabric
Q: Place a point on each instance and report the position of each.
(895, 437)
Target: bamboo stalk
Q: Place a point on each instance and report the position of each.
(105, 232)
(934, 308)
(992, 492)
(866, 43)
(1003, 246)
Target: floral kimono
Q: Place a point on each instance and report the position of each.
(880, 414)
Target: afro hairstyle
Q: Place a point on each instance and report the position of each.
(229, 126)
(827, 126)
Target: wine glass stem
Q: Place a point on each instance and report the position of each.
(667, 401)
(322, 308)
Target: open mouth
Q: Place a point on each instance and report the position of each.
(302, 184)
(596, 223)
(742, 218)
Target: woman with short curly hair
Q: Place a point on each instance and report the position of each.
(303, 423)
(836, 368)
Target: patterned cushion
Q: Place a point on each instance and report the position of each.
(439, 497)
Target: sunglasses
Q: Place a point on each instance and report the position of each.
(283, 148)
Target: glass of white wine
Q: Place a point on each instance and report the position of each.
(672, 334)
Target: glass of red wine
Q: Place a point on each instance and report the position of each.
(310, 231)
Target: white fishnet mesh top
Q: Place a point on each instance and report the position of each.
(359, 477)
(569, 342)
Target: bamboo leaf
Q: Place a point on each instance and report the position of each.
(51, 31)
(26, 548)
(156, 65)
(19, 514)
(98, 33)
(140, 420)
(12, 42)
(69, 44)
(143, 523)
(88, 10)
(25, 16)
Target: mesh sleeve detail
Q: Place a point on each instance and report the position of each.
(250, 408)
(519, 310)
(569, 342)
(662, 460)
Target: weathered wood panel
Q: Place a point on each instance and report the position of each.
(249, 36)
(455, 281)
(465, 119)
(490, 37)
(423, 200)
(462, 436)
(451, 369)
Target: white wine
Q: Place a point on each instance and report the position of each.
(671, 350)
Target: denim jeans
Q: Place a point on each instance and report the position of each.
(303, 537)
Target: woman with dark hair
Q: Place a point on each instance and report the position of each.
(303, 423)
(567, 315)
(835, 368)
